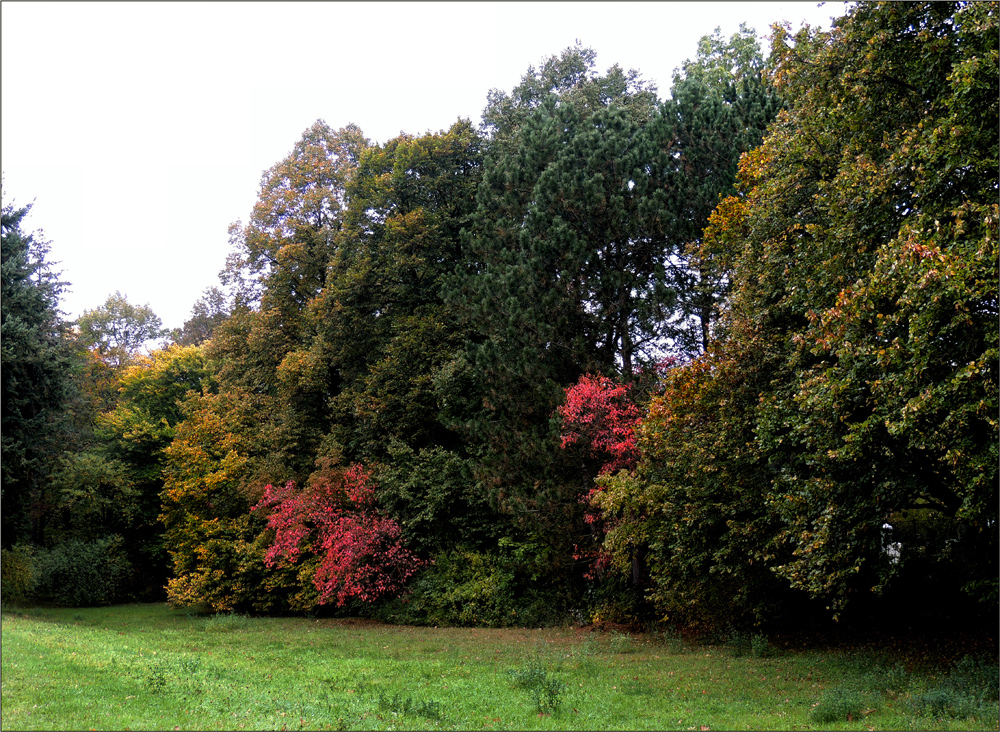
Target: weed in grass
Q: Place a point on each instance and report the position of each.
(738, 643)
(895, 680)
(545, 689)
(969, 691)
(881, 680)
(975, 677)
(937, 702)
(363, 685)
(638, 689)
(156, 679)
(839, 705)
(228, 621)
(868, 683)
(619, 642)
(672, 640)
(760, 646)
(741, 643)
(407, 706)
(589, 647)
(189, 666)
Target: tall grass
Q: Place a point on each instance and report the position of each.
(149, 667)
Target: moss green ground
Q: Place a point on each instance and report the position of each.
(150, 667)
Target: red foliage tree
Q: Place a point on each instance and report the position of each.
(600, 415)
(335, 518)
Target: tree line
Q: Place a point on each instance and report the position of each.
(725, 357)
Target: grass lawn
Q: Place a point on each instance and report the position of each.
(150, 667)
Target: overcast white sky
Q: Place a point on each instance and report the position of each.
(140, 130)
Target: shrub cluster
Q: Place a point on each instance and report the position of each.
(17, 576)
(468, 588)
(81, 573)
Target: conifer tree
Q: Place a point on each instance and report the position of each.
(35, 372)
(721, 104)
(563, 272)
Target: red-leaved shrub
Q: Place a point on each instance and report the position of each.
(335, 518)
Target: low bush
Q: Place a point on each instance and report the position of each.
(82, 573)
(742, 643)
(17, 576)
(613, 599)
(970, 690)
(466, 588)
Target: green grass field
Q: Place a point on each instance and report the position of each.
(150, 667)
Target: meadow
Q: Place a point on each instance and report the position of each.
(152, 667)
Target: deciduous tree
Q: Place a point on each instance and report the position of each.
(132, 439)
(890, 409)
(381, 322)
(600, 414)
(118, 329)
(277, 268)
(855, 384)
(215, 470)
(208, 313)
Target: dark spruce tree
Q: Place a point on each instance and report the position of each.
(34, 368)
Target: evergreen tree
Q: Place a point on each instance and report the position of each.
(563, 274)
(721, 104)
(573, 79)
(34, 369)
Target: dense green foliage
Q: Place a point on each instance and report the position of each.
(888, 410)
(208, 313)
(560, 364)
(840, 438)
(35, 359)
(82, 573)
